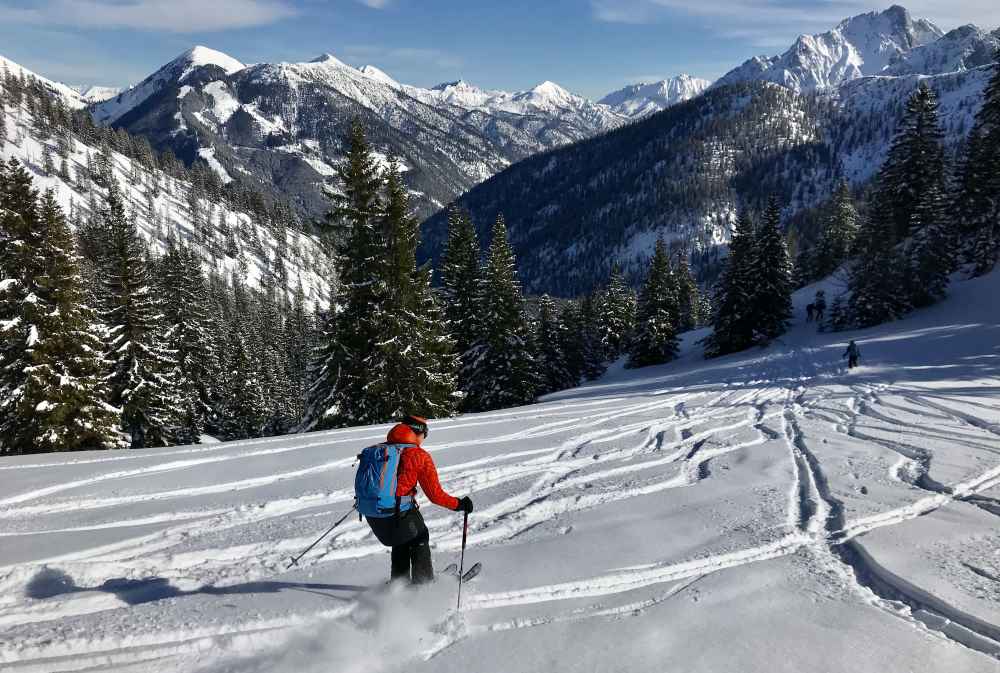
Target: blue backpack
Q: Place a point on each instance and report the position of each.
(376, 479)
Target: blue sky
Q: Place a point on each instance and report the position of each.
(589, 46)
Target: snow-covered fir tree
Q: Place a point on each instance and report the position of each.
(616, 315)
(52, 391)
(877, 280)
(191, 335)
(732, 317)
(838, 317)
(657, 315)
(502, 372)
(688, 296)
(142, 378)
(977, 195)
(588, 337)
(836, 240)
(905, 246)
(771, 277)
(300, 338)
(461, 286)
(929, 251)
(915, 162)
(551, 339)
(345, 365)
(420, 364)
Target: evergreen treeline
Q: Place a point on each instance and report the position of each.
(926, 219)
(128, 349)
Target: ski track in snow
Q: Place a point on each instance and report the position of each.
(578, 455)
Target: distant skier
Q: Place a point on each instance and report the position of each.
(852, 354)
(810, 309)
(819, 305)
(392, 513)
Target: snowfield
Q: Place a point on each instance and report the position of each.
(768, 511)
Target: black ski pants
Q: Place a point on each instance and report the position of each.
(409, 538)
(412, 561)
(852, 361)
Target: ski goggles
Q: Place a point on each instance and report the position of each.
(416, 424)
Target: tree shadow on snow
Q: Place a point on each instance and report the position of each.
(51, 582)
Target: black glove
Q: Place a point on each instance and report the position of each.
(464, 505)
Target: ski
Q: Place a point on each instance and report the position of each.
(452, 569)
(472, 572)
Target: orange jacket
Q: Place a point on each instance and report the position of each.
(417, 466)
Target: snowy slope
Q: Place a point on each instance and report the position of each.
(165, 211)
(96, 94)
(639, 100)
(765, 512)
(70, 96)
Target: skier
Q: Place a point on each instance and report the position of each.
(819, 305)
(405, 530)
(809, 312)
(852, 354)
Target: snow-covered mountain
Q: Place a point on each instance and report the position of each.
(639, 100)
(792, 124)
(767, 512)
(94, 93)
(228, 240)
(285, 124)
(961, 49)
(862, 45)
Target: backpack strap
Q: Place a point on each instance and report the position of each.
(399, 467)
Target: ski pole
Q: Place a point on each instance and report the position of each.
(295, 561)
(461, 561)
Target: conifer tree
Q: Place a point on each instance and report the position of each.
(550, 338)
(502, 369)
(929, 252)
(461, 286)
(838, 319)
(141, 379)
(52, 393)
(190, 336)
(771, 274)
(616, 315)
(419, 373)
(340, 393)
(687, 295)
(577, 343)
(658, 314)
(244, 411)
(593, 363)
(65, 393)
(915, 162)
(732, 317)
(977, 198)
(877, 281)
(840, 228)
(300, 339)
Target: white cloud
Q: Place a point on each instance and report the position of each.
(776, 22)
(178, 16)
(375, 4)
